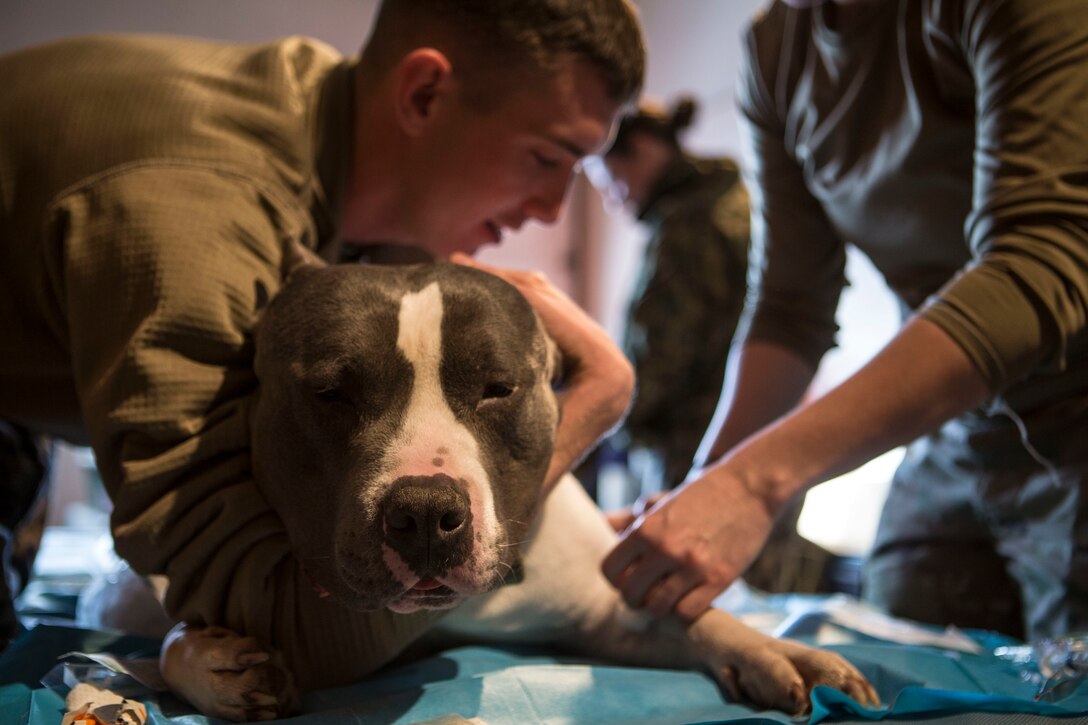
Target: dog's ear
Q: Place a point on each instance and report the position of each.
(554, 370)
(297, 258)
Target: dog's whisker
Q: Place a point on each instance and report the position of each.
(513, 544)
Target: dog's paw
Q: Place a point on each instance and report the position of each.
(223, 674)
(774, 673)
(782, 673)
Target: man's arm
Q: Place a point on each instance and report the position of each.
(763, 382)
(164, 271)
(598, 380)
(696, 542)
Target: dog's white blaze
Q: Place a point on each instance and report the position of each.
(431, 425)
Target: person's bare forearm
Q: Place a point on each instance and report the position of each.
(763, 382)
(697, 541)
(591, 406)
(920, 380)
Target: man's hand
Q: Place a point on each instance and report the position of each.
(621, 519)
(599, 380)
(693, 544)
(690, 546)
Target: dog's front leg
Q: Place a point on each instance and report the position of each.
(223, 674)
(565, 599)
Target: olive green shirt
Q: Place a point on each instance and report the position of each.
(150, 188)
(948, 140)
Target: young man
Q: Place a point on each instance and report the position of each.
(156, 190)
(946, 140)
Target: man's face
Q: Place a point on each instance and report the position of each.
(483, 173)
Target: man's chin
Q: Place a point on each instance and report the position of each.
(484, 235)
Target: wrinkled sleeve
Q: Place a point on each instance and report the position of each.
(797, 261)
(1022, 304)
(161, 274)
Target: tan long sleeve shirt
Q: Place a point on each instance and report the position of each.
(149, 187)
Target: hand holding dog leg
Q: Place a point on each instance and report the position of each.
(588, 616)
(598, 376)
(679, 555)
(695, 543)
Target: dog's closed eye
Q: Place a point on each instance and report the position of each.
(332, 395)
(497, 390)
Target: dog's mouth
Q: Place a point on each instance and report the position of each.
(427, 593)
(427, 584)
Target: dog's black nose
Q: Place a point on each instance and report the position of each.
(428, 522)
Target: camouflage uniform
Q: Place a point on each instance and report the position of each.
(685, 307)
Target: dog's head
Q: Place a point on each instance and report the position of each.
(403, 429)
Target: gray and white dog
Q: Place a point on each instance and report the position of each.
(418, 402)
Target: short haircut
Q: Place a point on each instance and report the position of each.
(487, 39)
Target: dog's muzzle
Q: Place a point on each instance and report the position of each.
(428, 522)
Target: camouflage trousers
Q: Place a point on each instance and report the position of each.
(981, 532)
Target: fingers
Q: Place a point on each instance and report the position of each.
(621, 557)
(697, 600)
(657, 583)
(664, 597)
(644, 503)
(649, 571)
(620, 520)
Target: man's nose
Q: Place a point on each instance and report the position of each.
(546, 204)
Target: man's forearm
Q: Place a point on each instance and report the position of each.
(594, 402)
(920, 380)
(763, 382)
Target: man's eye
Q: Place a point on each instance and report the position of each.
(545, 161)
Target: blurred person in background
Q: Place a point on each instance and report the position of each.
(683, 313)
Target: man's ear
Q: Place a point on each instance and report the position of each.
(423, 77)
